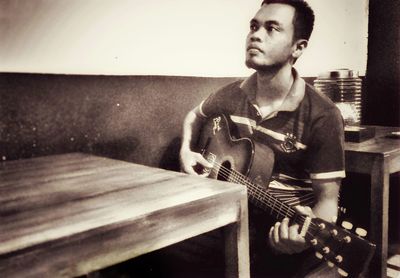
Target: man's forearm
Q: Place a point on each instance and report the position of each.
(327, 210)
(188, 158)
(326, 194)
(191, 129)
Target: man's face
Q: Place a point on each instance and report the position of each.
(270, 40)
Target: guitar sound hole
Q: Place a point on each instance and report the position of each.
(224, 171)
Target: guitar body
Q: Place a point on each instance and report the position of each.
(245, 162)
(253, 160)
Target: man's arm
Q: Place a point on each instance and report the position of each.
(325, 163)
(286, 239)
(326, 195)
(191, 127)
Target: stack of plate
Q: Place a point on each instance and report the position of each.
(342, 86)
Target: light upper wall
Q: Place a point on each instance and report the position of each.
(154, 37)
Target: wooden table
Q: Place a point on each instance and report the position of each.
(68, 215)
(378, 157)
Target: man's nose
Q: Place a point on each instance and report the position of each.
(256, 36)
(255, 39)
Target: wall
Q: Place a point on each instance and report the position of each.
(154, 37)
(382, 100)
(132, 118)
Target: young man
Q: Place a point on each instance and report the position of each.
(275, 107)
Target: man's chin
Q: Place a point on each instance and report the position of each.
(256, 66)
(263, 66)
(251, 64)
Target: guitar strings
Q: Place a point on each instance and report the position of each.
(240, 178)
(309, 197)
(293, 197)
(235, 176)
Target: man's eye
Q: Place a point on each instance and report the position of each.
(253, 27)
(271, 28)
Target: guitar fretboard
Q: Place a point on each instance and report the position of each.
(259, 195)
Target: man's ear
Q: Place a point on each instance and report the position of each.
(299, 47)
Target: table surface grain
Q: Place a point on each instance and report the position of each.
(54, 198)
(379, 144)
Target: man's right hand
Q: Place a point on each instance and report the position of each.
(190, 159)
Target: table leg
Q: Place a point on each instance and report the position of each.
(379, 216)
(237, 245)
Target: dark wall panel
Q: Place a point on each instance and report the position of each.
(134, 118)
(382, 100)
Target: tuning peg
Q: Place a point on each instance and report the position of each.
(314, 241)
(321, 226)
(347, 239)
(339, 258)
(318, 255)
(342, 272)
(330, 264)
(347, 225)
(326, 250)
(361, 232)
(334, 232)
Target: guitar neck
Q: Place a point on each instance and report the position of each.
(269, 203)
(260, 197)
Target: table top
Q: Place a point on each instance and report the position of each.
(380, 144)
(55, 197)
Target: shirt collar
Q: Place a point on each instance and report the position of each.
(292, 100)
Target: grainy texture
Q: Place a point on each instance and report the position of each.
(132, 118)
(67, 215)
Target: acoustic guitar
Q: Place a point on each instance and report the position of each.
(243, 161)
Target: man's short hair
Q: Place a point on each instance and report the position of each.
(303, 20)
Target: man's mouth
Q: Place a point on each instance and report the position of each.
(254, 49)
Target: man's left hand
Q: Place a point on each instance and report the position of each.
(287, 239)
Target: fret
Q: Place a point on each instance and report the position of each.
(295, 219)
(273, 206)
(287, 213)
(279, 210)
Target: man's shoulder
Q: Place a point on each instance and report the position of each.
(224, 100)
(228, 91)
(231, 87)
(318, 102)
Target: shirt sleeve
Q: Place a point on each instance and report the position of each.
(223, 101)
(211, 105)
(326, 156)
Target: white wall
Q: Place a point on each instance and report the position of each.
(170, 37)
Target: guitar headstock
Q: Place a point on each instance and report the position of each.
(339, 247)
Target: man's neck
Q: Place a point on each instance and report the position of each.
(273, 85)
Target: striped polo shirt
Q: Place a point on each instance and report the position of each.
(306, 133)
